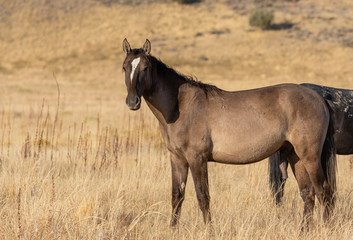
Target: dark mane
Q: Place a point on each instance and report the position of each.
(165, 69)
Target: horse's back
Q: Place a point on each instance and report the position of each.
(280, 105)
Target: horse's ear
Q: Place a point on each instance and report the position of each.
(126, 46)
(147, 47)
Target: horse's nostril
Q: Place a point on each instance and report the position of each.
(137, 101)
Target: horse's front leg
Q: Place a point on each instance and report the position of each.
(180, 169)
(198, 167)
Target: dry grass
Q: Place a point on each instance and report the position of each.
(84, 167)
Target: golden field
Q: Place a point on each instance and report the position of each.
(75, 163)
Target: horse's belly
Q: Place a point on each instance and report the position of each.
(250, 149)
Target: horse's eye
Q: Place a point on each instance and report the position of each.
(124, 69)
(145, 69)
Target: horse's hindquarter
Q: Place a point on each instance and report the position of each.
(249, 126)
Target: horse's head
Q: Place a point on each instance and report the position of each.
(137, 68)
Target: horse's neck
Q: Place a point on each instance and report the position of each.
(163, 101)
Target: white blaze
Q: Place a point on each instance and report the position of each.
(134, 65)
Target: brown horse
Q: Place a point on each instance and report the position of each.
(202, 123)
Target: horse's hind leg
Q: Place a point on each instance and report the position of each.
(179, 176)
(322, 188)
(311, 159)
(306, 189)
(283, 166)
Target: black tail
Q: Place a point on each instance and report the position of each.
(275, 178)
(328, 156)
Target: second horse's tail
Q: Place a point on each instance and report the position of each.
(328, 157)
(275, 176)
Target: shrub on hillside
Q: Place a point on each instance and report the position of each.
(261, 18)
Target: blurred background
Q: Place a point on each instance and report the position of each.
(213, 40)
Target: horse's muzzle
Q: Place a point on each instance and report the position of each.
(133, 102)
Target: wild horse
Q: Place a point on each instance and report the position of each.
(201, 123)
(341, 102)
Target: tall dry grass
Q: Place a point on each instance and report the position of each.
(85, 182)
(66, 180)
(76, 164)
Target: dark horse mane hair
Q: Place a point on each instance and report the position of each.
(165, 69)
